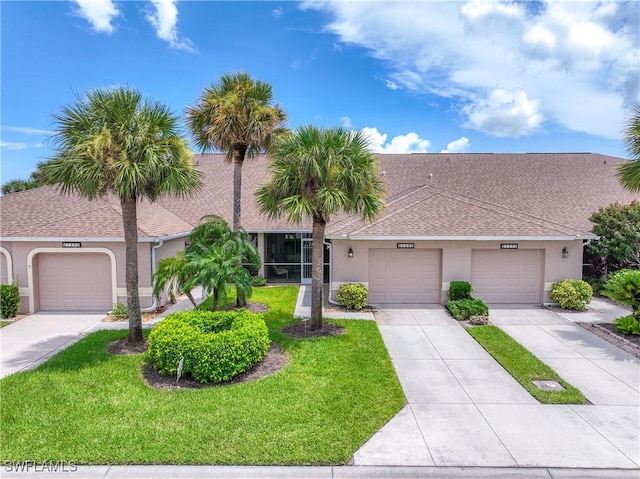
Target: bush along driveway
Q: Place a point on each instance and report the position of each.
(91, 407)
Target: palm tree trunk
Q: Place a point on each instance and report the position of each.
(130, 224)
(238, 160)
(190, 296)
(317, 273)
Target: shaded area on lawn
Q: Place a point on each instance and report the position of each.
(89, 406)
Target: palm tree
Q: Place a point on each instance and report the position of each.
(236, 116)
(173, 272)
(317, 173)
(13, 186)
(629, 173)
(114, 142)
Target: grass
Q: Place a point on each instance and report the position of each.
(524, 366)
(88, 406)
(5, 323)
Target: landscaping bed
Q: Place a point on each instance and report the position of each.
(89, 406)
(607, 331)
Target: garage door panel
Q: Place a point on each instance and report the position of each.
(74, 282)
(401, 276)
(507, 276)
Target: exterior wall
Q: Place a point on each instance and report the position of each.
(25, 268)
(168, 248)
(6, 264)
(456, 260)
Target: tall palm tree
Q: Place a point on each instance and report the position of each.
(112, 142)
(317, 173)
(629, 173)
(236, 116)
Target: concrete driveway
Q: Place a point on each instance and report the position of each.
(463, 409)
(34, 339)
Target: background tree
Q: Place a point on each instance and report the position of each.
(114, 142)
(619, 245)
(14, 186)
(629, 173)
(236, 116)
(317, 173)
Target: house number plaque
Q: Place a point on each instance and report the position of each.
(71, 244)
(405, 245)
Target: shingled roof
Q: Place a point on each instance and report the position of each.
(428, 195)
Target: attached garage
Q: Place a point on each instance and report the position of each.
(404, 276)
(507, 276)
(74, 282)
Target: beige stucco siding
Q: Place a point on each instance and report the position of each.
(456, 260)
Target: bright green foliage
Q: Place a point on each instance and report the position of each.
(629, 173)
(571, 294)
(216, 346)
(628, 325)
(596, 283)
(120, 311)
(460, 290)
(9, 300)
(624, 287)
(618, 227)
(524, 366)
(317, 173)
(463, 309)
(258, 281)
(353, 295)
(112, 142)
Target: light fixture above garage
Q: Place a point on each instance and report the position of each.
(350, 252)
(565, 252)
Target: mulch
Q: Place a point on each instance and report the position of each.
(303, 330)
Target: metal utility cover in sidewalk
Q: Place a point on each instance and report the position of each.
(548, 385)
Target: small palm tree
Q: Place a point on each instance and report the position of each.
(629, 173)
(236, 116)
(317, 173)
(113, 143)
(172, 272)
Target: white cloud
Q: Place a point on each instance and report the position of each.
(391, 85)
(99, 13)
(13, 145)
(578, 60)
(409, 143)
(27, 130)
(457, 146)
(164, 18)
(276, 13)
(504, 113)
(346, 122)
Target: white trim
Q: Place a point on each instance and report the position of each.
(459, 238)
(7, 255)
(35, 251)
(446, 285)
(547, 286)
(142, 292)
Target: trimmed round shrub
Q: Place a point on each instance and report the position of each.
(571, 294)
(353, 295)
(216, 345)
(460, 290)
(9, 300)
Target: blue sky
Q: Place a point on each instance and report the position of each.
(465, 76)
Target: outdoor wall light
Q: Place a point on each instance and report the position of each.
(350, 252)
(565, 252)
(187, 244)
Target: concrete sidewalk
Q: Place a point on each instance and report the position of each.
(465, 410)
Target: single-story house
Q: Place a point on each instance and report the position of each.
(511, 224)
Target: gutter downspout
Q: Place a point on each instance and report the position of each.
(154, 305)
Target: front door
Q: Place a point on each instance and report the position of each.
(307, 260)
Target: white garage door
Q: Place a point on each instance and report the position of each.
(74, 282)
(404, 276)
(507, 276)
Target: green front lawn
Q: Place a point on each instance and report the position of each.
(524, 366)
(88, 406)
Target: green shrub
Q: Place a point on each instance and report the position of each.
(571, 294)
(216, 345)
(9, 300)
(258, 281)
(463, 309)
(353, 295)
(120, 311)
(628, 325)
(624, 286)
(460, 290)
(596, 283)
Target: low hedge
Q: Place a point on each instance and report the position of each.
(571, 294)
(463, 309)
(353, 295)
(460, 290)
(216, 345)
